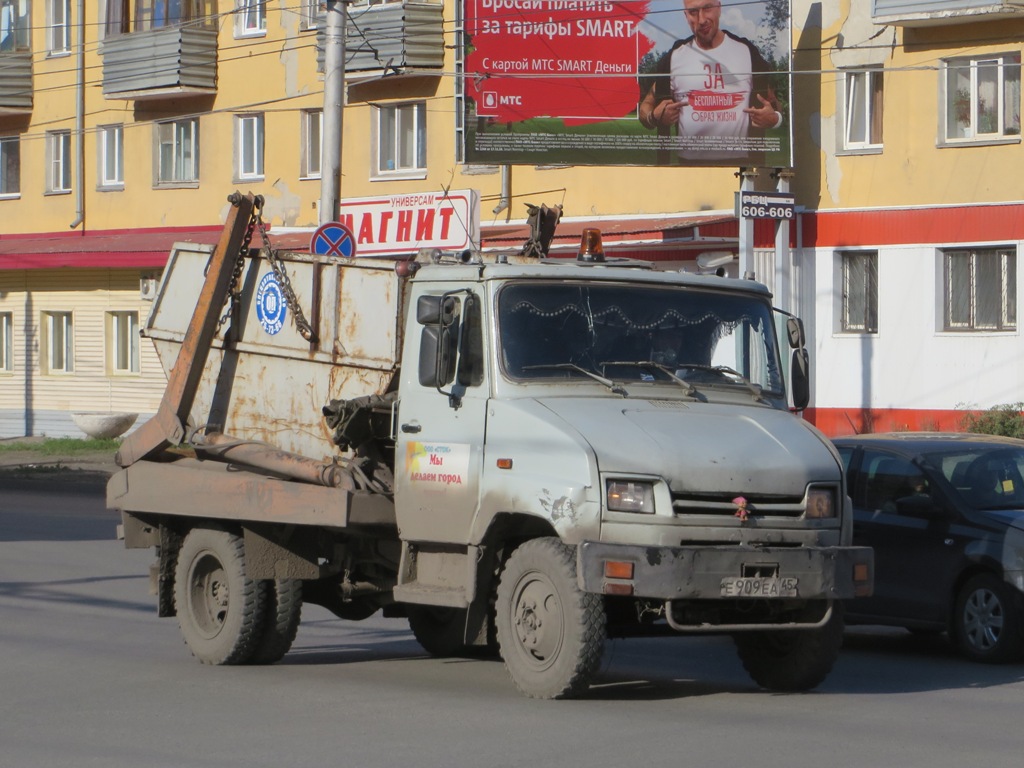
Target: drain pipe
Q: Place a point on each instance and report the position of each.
(506, 192)
(80, 117)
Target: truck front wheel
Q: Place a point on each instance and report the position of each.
(792, 660)
(220, 610)
(551, 634)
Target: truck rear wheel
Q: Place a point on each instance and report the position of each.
(441, 631)
(220, 609)
(551, 634)
(280, 620)
(792, 660)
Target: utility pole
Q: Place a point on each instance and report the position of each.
(334, 106)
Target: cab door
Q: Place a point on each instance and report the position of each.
(441, 418)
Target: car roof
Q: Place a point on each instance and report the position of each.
(917, 442)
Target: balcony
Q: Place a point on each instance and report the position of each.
(16, 83)
(160, 63)
(926, 13)
(392, 36)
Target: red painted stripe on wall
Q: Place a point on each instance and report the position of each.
(961, 224)
(840, 422)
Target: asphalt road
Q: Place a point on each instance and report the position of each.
(89, 676)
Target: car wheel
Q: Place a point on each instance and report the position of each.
(988, 620)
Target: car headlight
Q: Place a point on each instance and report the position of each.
(821, 503)
(630, 496)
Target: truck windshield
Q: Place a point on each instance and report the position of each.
(617, 330)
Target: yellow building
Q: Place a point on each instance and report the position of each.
(124, 125)
(909, 145)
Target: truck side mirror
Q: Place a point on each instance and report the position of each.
(437, 358)
(800, 378)
(795, 332)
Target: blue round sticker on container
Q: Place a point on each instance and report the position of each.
(270, 305)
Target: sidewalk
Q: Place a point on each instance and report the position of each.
(31, 461)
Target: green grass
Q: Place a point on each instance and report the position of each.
(62, 446)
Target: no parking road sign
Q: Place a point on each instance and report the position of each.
(333, 239)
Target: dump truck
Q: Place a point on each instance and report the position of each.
(526, 456)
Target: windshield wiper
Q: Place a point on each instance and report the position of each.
(754, 389)
(691, 391)
(573, 367)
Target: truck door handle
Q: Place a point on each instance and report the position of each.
(413, 428)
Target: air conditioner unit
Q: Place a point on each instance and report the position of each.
(147, 288)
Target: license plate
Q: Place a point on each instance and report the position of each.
(759, 586)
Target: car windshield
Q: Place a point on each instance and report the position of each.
(638, 333)
(985, 477)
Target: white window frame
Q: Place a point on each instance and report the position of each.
(123, 342)
(249, 143)
(10, 167)
(59, 354)
(962, 119)
(58, 33)
(6, 342)
(859, 292)
(400, 141)
(58, 162)
(250, 18)
(311, 13)
(862, 109)
(311, 151)
(177, 153)
(110, 144)
(965, 294)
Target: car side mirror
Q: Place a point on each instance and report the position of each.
(795, 333)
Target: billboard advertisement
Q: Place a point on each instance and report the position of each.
(628, 82)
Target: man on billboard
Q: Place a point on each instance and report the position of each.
(715, 88)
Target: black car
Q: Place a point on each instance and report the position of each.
(944, 513)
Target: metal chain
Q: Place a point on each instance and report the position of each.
(232, 302)
(301, 323)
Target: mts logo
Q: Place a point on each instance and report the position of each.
(515, 101)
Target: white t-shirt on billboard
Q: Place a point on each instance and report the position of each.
(716, 86)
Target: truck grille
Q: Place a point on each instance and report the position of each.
(722, 504)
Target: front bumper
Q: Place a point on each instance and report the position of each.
(710, 572)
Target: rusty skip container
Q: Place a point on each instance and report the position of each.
(262, 380)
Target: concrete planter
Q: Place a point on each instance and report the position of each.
(104, 425)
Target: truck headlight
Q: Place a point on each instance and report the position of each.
(821, 503)
(630, 496)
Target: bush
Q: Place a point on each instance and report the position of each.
(1006, 420)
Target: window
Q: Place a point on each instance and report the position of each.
(123, 342)
(58, 157)
(863, 114)
(401, 139)
(310, 11)
(251, 19)
(312, 133)
(248, 147)
(6, 342)
(14, 26)
(982, 98)
(10, 166)
(157, 14)
(981, 290)
(58, 355)
(59, 32)
(860, 292)
(111, 159)
(177, 151)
